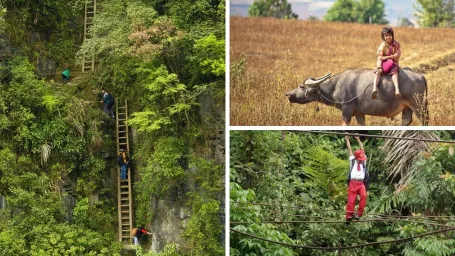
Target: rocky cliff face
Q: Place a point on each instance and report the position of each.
(5, 48)
(171, 213)
(45, 65)
(169, 223)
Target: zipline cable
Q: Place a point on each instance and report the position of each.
(342, 247)
(303, 221)
(292, 207)
(318, 221)
(374, 136)
(333, 210)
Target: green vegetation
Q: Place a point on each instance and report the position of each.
(436, 13)
(300, 177)
(357, 11)
(166, 57)
(279, 9)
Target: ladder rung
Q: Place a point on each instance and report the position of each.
(121, 131)
(125, 230)
(121, 107)
(124, 193)
(122, 143)
(122, 119)
(125, 211)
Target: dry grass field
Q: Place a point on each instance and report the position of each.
(270, 57)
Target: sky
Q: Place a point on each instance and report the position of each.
(394, 9)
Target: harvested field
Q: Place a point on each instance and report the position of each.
(270, 56)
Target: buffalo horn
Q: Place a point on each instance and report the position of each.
(314, 82)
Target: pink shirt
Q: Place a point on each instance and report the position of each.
(395, 49)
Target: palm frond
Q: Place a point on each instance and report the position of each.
(325, 172)
(402, 154)
(45, 153)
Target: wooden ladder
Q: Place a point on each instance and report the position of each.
(125, 200)
(88, 60)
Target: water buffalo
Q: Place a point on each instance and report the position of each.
(350, 91)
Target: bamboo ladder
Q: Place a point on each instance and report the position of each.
(88, 61)
(125, 203)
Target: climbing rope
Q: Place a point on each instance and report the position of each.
(343, 102)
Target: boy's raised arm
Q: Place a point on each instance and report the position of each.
(348, 144)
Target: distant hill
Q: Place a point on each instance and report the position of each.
(394, 9)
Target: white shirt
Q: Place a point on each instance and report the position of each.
(355, 174)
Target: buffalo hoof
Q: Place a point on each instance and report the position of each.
(398, 96)
(374, 95)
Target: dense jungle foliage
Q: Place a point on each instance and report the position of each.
(298, 176)
(163, 56)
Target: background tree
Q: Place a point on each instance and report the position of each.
(357, 11)
(370, 9)
(280, 9)
(436, 13)
(341, 10)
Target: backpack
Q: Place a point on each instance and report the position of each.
(119, 159)
(133, 232)
(111, 100)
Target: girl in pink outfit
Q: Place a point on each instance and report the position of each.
(388, 57)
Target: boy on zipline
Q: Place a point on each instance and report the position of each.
(357, 181)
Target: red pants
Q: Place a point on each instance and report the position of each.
(356, 187)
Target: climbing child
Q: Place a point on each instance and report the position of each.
(108, 101)
(388, 58)
(137, 233)
(123, 161)
(357, 181)
(66, 74)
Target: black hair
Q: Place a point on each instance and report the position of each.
(385, 31)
